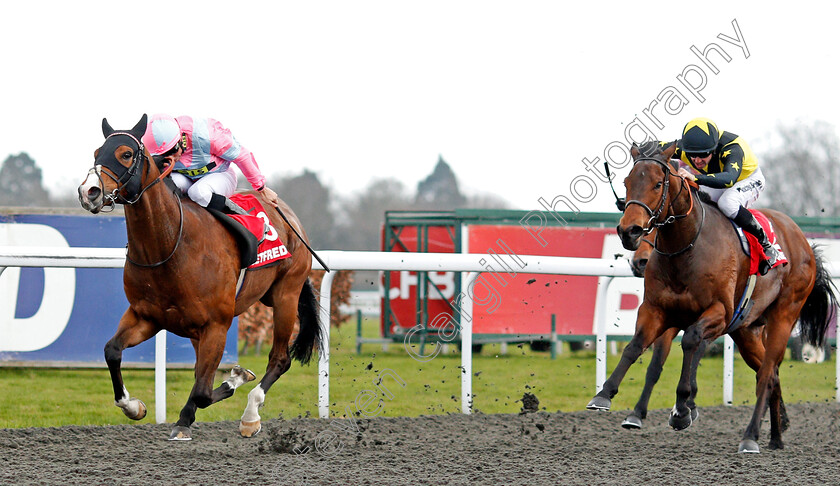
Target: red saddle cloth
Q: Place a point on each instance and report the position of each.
(756, 251)
(271, 250)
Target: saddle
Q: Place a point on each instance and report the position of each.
(754, 251)
(750, 245)
(259, 244)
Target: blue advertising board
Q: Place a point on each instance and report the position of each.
(64, 316)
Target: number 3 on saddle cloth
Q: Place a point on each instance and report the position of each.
(753, 249)
(258, 241)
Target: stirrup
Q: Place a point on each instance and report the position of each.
(771, 257)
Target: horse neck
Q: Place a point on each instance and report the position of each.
(153, 223)
(680, 234)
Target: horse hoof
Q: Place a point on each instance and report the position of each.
(679, 423)
(246, 374)
(599, 403)
(249, 429)
(748, 447)
(180, 433)
(136, 409)
(632, 422)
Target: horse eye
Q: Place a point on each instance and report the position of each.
(126, 155)
(658, 185)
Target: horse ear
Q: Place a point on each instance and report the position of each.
(668, 151)
(635, 152)
(106, 128)
(140, 129)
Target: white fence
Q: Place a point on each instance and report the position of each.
(356, 260)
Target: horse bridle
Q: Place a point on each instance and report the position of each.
(126, 177)
(655, 214)
(130, 178)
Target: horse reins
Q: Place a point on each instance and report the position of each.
(132, 171)
(655, 214)
(136, 163)
(177, 242)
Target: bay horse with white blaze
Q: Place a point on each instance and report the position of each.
(181, 274)
(694, 282)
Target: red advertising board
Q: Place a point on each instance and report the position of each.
(506, 300)
(523, 303)
(403, 285)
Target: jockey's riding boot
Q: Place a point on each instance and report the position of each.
(225, 205)
(748, 223)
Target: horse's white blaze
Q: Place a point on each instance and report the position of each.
(255, 400)
(91, 181)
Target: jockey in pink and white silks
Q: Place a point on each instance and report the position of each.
(203, 150)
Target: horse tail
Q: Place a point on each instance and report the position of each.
(820, 306)
(309, 336)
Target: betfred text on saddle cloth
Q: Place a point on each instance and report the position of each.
(271, 250)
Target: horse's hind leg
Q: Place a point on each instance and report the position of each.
(768, 390)
(661, 349)
(279, 360)
(131, 331)
(751, 347)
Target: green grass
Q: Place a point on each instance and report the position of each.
(34, 397)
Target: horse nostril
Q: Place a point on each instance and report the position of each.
(642, 264)
(94, 192)
(635, 231)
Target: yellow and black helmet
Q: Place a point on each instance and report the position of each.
(700, 135)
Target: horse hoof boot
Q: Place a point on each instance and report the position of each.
(180, 433)
(632, 422)
(599, 403)
(748, 447)
(695, 414)
(249, 429)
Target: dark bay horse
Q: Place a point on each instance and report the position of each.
(181, 274)
(695, 279)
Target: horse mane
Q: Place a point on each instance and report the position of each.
(704, 197)
(649, 149)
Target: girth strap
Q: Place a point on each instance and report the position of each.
(744, 306)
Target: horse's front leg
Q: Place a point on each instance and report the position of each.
(709, 325)
(209, 349)
(650, 324)
(131, 331)
(661, 350)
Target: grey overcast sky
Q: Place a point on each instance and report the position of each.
(514, 95)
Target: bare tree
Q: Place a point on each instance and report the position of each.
(364, 213)
(802, 169)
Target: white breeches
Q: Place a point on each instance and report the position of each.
(743, 193)
(201, 190)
